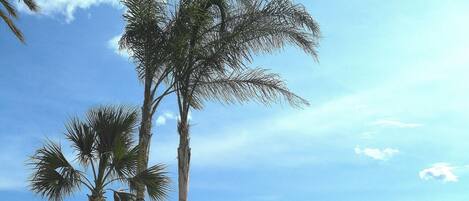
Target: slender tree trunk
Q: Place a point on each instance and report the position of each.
(144, 136)
(184, 156)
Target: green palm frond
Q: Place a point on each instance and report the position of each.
(124, 161)
(113, 125)
(145, 34)
(250, 27)
(155, 180)
(238, 87)
(53, 177)
(104, 143)
(83, 138)
(260, 27)
(12, 13)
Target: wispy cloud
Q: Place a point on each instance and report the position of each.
(67, 8)
(395, 123)
(439, 171)
(377, 154)
(161, 120)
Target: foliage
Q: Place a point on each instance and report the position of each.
(103, 143)
(11, 14)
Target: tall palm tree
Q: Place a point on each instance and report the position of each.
(148, 25)
(212, 46)
(12, 13)
(104, 148)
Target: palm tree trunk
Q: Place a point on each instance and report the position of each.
(184, 155)
(144, 136)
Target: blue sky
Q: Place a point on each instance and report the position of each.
(387, 121)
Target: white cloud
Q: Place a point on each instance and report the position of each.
(395, 123)
(377, 154)
(67, 8)
(439, 171)
(161, 120)
(113, 44)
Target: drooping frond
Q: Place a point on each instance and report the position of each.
(10, 8)
(83, 138)
(31, 4)
(155, 180)
(260, 26)
(53, 176)
(248, 85)
(250, 27)
(12, 26)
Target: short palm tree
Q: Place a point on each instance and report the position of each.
(104, 148)
(11, 14)
(213, 43)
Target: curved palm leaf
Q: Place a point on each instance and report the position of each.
(83, 138)
(155, 180)
(113, 125)
(105, 138)
(53, 175)
(31, 4)
(124, 161)
(259, 27)
(239, 87)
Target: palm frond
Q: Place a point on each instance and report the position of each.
(248, 85)
(155, 180)
(145, 34)
(32, 5)
(12, 26)
(124, 161)
(10, 8)
(53, 176)
(113, 125)
(82, 137)
(260, 27)
(251, 27)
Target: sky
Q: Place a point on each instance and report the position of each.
(387, 121)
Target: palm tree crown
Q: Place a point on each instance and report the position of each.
(12, 13)
(104, 148)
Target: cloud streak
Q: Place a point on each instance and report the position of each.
(377, 154)
(395, 123)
